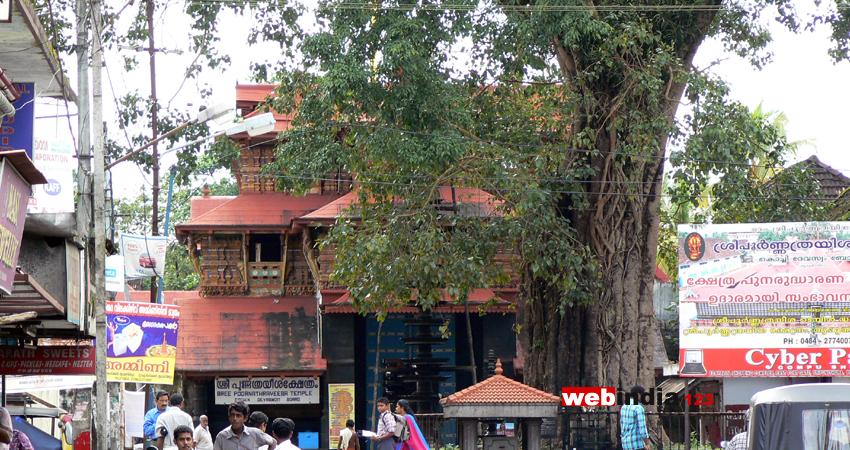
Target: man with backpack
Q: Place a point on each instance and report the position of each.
(386, 426)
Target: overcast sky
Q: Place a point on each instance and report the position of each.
(801, 81)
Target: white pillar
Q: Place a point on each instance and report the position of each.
(533, 427)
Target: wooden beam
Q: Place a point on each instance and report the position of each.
(19, 317)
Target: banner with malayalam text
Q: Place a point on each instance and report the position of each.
(769, 299)
(267, 390)
(141, 342)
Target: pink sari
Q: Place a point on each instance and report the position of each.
(417, 440)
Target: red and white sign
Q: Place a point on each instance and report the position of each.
(58, 360)
(769, 299)
(588, 396)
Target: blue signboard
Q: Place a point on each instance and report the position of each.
(16, 133)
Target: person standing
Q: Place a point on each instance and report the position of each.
(348, 438)
(385, 434)
(202, 436)
(6, 431)
(282, 430)
(161, 405)
(259, 420)
(170, 420)
(633, 422)
(20, 441)
(184, 438)
(238, 436)
(417, 440)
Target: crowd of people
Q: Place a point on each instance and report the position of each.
(167, 427)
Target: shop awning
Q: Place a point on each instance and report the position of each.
(675, 385)
(28, 295)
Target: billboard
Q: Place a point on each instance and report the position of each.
(341, 401)
(56, 360)
(55, 159)
(141, 342)
(144, 256)
(16, 133)
(267, 390)
(764, 300)
(14, 191)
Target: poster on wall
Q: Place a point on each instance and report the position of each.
(55, 159)
(144, 256)
(141, 342)
(267, 390)
(341, 406)
(16, 132)
(764, 300)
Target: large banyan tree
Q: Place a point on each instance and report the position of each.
(565, 111)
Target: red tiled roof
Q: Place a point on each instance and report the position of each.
(505, 303)
(272, 211)
(500, 389)
(271, 335)
(472, 202)
(660, 275)
(203, 205)
(248, 95)
(333, 209)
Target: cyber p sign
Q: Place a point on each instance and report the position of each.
(14, 191)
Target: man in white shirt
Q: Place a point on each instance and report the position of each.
(348, 438)
(202, 436)
(282, 431)
(169, 420)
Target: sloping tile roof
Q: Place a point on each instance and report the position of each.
(832, 182)
(203, 205)
(274, 211)
(249, 334)
(248, 95)
(500, 389)
(471, 201)
(505, 304)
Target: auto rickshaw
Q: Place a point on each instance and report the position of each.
(813, 416)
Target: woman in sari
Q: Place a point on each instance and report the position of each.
(417, 440)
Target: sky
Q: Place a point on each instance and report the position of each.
(801, 81)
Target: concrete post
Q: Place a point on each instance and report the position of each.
(469, 434)
(533, 429)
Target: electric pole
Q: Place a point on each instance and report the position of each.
(99, 191)
(154, 131)
(84, 143)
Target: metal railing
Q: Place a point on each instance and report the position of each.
(437, 430)
(600, 430)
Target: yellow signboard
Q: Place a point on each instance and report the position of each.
(341, 401)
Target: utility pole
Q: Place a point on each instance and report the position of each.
(101, 418)
(154, 131)
(84, 146)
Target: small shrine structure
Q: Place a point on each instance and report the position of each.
(499, 397)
